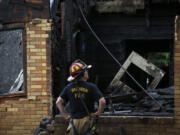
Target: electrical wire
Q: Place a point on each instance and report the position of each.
(99, 40)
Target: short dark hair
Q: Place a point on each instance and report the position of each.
(81, 74)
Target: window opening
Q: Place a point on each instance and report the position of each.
(11, 61)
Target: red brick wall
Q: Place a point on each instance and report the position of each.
(20, 116)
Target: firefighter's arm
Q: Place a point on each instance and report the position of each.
(102, 103)
(61, 108)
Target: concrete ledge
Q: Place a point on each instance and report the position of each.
(126, 120)
(136, 119)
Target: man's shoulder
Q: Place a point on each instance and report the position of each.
(73, 84)
(90, 84)
(69, 85)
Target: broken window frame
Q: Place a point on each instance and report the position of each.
(20, 26)
(143, 64)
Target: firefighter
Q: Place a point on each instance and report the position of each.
(81, 96)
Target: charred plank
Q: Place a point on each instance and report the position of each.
(27, 4)
(12, 26)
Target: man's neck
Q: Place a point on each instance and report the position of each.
(83, 79)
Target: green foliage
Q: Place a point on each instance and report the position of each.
(160, 59)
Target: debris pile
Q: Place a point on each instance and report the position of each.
(142, 104)
(46, 127)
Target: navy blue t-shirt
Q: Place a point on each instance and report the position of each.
(88, 92)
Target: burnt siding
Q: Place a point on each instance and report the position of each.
(114, 28)
(20, 11)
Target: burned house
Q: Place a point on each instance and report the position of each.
(133, 46)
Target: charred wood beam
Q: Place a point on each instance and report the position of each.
(165, 1)
(27, 4)
(11, 26)
(122, 131)
(131, 6)
(109, 99)
(54, 9)
(116, 90)
(128, 6)
(147, 7)
(125, 98)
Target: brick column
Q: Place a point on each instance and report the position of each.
(177, 69)
(38, 61)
